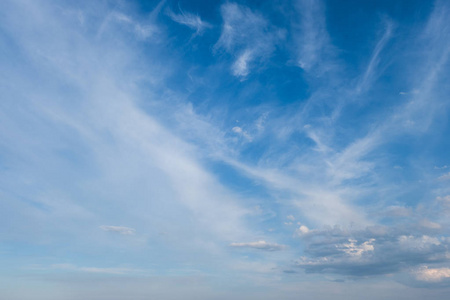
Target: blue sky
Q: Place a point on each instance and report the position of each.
(224, 150)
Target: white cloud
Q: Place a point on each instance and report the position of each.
(446, 176)
(259, 123)
(398, 211)
(444, 200)
(290, 218)
(352, 248)
(369, 251)
(258, 267)
(314, 52)
(238, 130)
(109, 147)
(241, 65)
(432, 274)
(424, 242)
(302, 230)
(317, 204)
(440, 168)
(97, 270)
(119, 229)
(143, 30)
(190, 20)
(261, 245)
(130, 152)
(429, 224)
(371, 71)
(246, 35)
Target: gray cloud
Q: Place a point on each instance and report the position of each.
(119, 229)
(371, 251)
(261, 245)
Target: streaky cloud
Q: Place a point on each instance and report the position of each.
(372, 68)
(260, 245)
(118, 229)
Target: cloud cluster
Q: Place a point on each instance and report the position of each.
(371, 251)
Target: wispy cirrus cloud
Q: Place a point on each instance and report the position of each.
(143, 30)
(190, 20)
(247, 36)
(314, 51)
(371, 71)
(100, 124)
(112, 139)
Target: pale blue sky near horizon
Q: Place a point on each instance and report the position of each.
(224, 149)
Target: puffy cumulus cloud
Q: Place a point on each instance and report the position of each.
(119, 229)
(369, 251)
(302, 230)
(247, 36)
(260, 245)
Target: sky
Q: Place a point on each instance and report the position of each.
(284, 149)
